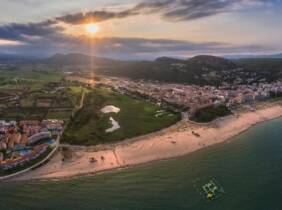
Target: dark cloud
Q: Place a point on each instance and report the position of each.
(22, 32)
(104, 15)
(95, 16)
(171, 10)
(47, 37)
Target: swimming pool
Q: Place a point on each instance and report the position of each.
(24, 152)
(51, 141)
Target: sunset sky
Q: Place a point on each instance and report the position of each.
(141, 29)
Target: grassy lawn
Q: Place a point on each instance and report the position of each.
(136, 117)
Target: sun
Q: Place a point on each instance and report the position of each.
(92, 28)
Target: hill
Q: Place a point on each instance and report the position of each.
(197, 70)
(14, 58)
(212, 63)
(269, 68)
(77, 59)
(200, 70)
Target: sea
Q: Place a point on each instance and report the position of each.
(248, 169)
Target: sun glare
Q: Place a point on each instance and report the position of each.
(92, 28)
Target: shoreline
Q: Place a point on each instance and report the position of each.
(167, 145)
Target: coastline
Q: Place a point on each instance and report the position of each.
(170, 144)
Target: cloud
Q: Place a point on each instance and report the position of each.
(21, 32)
(170, 10)
(45, 38)
(95, 16)
(123, 48)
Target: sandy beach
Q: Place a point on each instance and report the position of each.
(179, 141)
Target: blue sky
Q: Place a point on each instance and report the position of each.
(141, 29)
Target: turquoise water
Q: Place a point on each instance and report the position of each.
(248, 168)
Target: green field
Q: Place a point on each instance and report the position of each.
(20, 79)
(49, 76)
(136, 117)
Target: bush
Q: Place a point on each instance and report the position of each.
(208, 114)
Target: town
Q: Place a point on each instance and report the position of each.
(194, 97)
(25, 143)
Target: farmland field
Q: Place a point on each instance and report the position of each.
(36, 95)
